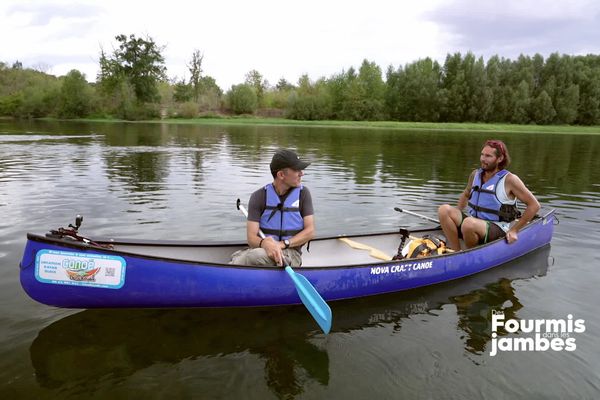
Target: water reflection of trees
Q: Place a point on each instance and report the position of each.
(142, 156)
(137, 170)
(99, 348)
(475, 298)
(544, 161)
(92, 347)
(474, 311)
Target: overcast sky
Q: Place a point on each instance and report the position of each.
(290, 38)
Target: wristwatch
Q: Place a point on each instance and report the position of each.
(287, 243)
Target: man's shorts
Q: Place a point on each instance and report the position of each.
(258, 256)
(492, 232)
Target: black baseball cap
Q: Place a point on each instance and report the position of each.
(284, 158)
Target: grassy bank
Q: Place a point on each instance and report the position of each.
(430, 126)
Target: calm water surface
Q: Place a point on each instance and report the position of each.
(181, 182)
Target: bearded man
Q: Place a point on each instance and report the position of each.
(491, 200)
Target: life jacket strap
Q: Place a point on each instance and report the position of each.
(479, 189)
(280, 207)
(422, 248)
(507, 212)
(278, 233)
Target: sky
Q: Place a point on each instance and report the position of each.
(286, 39)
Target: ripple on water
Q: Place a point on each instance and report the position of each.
(182, 183)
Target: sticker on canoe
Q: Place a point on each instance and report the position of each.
(80, 269)
(414, 266)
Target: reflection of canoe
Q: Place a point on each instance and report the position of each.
(184, 274)
(95, 346)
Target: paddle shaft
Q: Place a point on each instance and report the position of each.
(245, 212)
(417, 215)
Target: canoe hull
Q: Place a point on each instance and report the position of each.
(132, 280)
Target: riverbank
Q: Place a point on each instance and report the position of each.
(394, 125)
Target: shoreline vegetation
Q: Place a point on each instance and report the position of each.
(132, 84)
(390, 125)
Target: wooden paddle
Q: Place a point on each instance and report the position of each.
(311, 299)
(373, 252)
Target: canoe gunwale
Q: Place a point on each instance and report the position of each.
(166, 243)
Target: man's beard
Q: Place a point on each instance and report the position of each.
(489, 166)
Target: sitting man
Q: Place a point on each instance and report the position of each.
(283, 211)
(491, 196)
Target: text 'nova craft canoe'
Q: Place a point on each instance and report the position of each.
(62, 272)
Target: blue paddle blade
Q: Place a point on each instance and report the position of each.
(312, 300)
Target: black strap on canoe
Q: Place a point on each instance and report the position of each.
(405, 234)
(71, 233)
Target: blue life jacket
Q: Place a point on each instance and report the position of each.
(484, 202)
(282, 220)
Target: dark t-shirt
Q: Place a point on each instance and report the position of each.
(258, 200)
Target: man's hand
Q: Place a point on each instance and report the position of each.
(273, 249)
(511, 236)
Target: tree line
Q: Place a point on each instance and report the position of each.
(133, 84)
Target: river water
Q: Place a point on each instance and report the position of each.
(160, 181)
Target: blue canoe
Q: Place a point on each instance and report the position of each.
(62, 272)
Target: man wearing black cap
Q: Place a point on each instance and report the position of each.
(283, 211)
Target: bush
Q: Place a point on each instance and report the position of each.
(242, 99)
(308, 107)
(10, 105)
(187, 110)
(75, 96)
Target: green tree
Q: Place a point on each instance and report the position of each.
(497, 72)
(277, 97)
(255, 80)
(195, 68)
(454, 82)
(242, 99)
(479, 95)
(589, 92)
(413, 92)
(538, 70)
(393, 93)
(567, 104)
(358, 96)
(339, 91)
(523, 71)
(75, 96)
(521, 104)
(371, 90)
(468, 96)
(210, 94)
(27, 93)
(542, 110)
(137, 61)
(183, 92)
(283, 85)
(310, 101)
